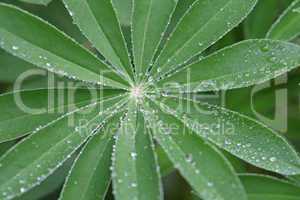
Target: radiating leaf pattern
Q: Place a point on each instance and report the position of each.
(202, 165)
(97, 20)
(36, 48)
(234, 133)
(128, 109)
(202, 25)
(241, 65)
(150, 19)
(135, 174)
(92, 166)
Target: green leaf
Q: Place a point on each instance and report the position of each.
(261, 187)
(11, 67)
(243, 137)
(149, 21)
(252, 29)
(46, 149)
(287, 26)
(295, 179)
(205, 23)
(166, 166)
(180, 10)
(42, 2)
(244, 64)
(124, 11)
(98, 22)
(90, 176)
(52, 184)
(202, 165)
(65, 58)
(24, 111)
(5, 146)
(135, 175)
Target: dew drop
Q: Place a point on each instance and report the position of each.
(15, 48)
(273, 159)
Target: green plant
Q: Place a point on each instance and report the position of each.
(142, 108)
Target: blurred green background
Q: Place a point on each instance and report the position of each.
(264, 101)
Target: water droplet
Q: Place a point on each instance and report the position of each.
(15, 47)
(273, 159)
(133, 155)
(22, 190)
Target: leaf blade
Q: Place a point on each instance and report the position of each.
(98, 21)
(149, 22)
(267, 187)
(45, 150)
(287, 25)
(89, 177)
(29, 109)
(215, 19)
(234, 133)
(42, 2)
(133, 158)
(36, 47)
(261, 60)
(202, 165)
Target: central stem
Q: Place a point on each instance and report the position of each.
(137, 92)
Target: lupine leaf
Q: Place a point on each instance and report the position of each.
(287, 26)
(35, 109)
(11, 67)
(204, 24)
(36, 46)
(42, 2)
(266, 19)
(53, 183)
(260, 187)
(5, 146)
(295, 179)
(166, 166)
(135, 174)
(46, 149)
(150, 19)
(98, 22)
(244, 64)
(90, 176)
(202, 165)
(124, 11)
(237, 134)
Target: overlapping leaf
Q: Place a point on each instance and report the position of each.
(203, 166)
(150, 19)
(46, 149)
(190, 145)
(24, 111)
(48, 48)
(287, 26)
(42, 2)
(244, 64)
(135, 174)
(205, 23)
(261, 187)
(98, 21)
(237, 134)
(90, 175)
